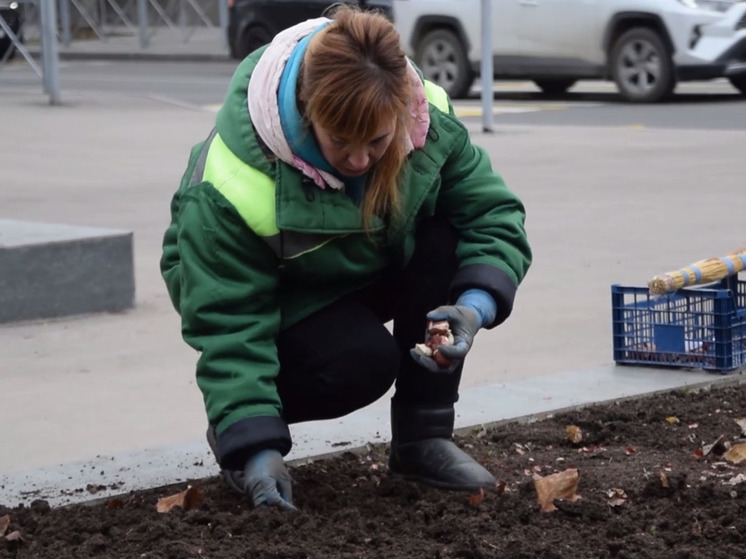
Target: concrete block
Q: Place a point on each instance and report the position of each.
(53, 270)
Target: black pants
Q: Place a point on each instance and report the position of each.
(343, 357)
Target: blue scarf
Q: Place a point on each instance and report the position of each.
(299, 137)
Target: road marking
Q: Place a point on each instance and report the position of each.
(472, 111)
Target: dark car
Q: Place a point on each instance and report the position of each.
(10, 11)
(253, 23)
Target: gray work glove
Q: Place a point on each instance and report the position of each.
(267, 480)
(465, 322)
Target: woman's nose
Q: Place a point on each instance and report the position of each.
(358, 158)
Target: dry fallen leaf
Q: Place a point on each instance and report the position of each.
(630, 450)
(477, 498)
(562, 485)
(4, 523)
(574, 433)
(501, 488)
(741, 422)
(664, 478)
(190, 498)
(14, 537)
(736, 454)
(115, 504)
(672, 419)
(616, 497)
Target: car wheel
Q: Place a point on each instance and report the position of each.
(739, 82)
(253, 38)
(442, 59)
(554, 86)
(642, 67)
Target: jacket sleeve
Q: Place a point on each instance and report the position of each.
(229, 313)
(493, 250)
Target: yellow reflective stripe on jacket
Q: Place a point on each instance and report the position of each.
(436, 95)
(250, 191)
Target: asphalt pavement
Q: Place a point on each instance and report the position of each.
(111, 399)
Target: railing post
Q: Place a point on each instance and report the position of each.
(65, 21)
(49, 51)
(487, 70)
(142, 21)
(223, 19)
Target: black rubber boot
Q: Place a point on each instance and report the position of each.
(233, 478)
(422, 449)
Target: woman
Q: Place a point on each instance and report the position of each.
(337, 192)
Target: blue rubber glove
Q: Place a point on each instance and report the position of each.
(473, 310)
(267, 480)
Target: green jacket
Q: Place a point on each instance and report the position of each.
(253, 247)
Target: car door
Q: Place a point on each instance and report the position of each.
(289, 12)
(559, 29)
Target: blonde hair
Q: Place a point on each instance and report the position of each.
(354, 78)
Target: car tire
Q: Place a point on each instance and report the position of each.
(739, 82)
(252, 38)
(441, 57)
(555, 87)
(641, 66)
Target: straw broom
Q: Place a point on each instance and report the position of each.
(698, 273)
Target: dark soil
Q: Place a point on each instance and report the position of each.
(658, 450)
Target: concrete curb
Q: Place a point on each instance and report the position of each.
(104, 477)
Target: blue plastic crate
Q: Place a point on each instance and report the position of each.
(699, 327)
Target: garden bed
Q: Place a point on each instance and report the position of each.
(657, 477)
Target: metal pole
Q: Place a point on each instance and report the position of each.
(49, 52)
(142, 20)
(223, 19)
(487, 70)
(65, 22)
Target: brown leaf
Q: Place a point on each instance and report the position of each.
(616, 497)
(190, 498)
(477, 498)
(501, 488)
(664, 478)
(4, 523)
(14, 537)
(562, 485)
(574, 433)
(736, 454)
(630, 450)
(115, 504)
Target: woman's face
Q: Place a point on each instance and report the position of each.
(351, 158)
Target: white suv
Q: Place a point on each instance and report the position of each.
(645, 46)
